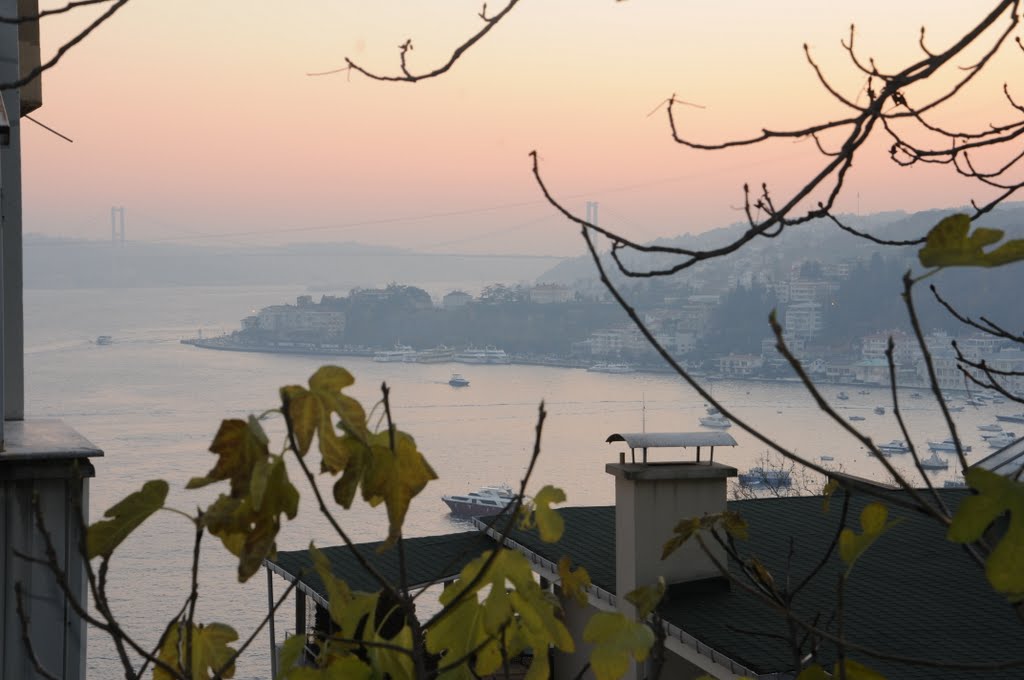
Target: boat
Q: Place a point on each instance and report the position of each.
(1016, 418)
(758, 476)
(947, 445)
(827, 458)
(956, 409)
(843, 396)
(436, 355)
(605, 367)
(954, 484)
(856, 418)
(104, 340)
(895, 446)
(998, 441)
(488, 355)
(490, 500)
(716, 421)
(712, 411)
(880, 410)
(998, 400)
(994, 427)
(863, 391)
(458, 381)
(399, 353)
(933, 462)
(977, 401)
(915, 395)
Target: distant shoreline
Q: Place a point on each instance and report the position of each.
(221, 343)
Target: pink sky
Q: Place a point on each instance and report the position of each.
(196, 116)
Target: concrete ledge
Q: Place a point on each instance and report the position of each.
(670, 471)
(39, 440)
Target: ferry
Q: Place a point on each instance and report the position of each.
(487, 355)
(437, 355)
(399, 353)
(605, 367)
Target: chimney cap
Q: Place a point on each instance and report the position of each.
(651, 440)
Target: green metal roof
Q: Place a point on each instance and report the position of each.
(913, 594)
(428, 560)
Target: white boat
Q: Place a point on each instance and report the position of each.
(977, 401)
(711, 410)
(915, 395)
(436, 355)
(947, 445)
(458, 381)
(104, 340)
(954, 484)
(826, 458)
(933, 462)
(843, 396)
(994, 427)
(1016, 418)
(489, 500)
(487, 355)
(895, 446)
(998, 441)
(998, 400)
(717, 421)
(880, 410)
(856, 418)
(863, 391)
(605, 367)
(767, 478)
(399, 353)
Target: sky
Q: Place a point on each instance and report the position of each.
(198, 117)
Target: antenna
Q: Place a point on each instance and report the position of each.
(643, 411)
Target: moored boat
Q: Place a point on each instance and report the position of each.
(104, 340)
(399, 353)
(895, 446)
(994, 427)
(758, 476)
(1016, 418)
(947, 445)
(606, 367)
(717, 421)
(933, 462)
(843, 396)
(490, 500)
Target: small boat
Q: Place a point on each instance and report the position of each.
(489, 500)
(880, 410)
(998, 441)
(856, 418)
(994, 427)
(104, 340)
(458, 381)
(717, 421)
(827, 458)
(1016, 418)
(895, 446)
(712, 411)
(605, 367)
(977, 401)
(947, 445)
(758, 476)
(863, 391)
(933, 462)
(842, 396)
(954, 484)
(956, 409)
(998, 400)
(915, 395)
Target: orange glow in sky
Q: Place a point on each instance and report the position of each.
(197, 116)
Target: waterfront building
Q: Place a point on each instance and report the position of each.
(456, 299)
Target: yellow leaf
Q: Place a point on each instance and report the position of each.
(949, 245)
(574, 583)
(646, 598)
(210, 651)
(330, 379)
(873, 524)
(550, 524)
(830, 488)
(303, 413)
(616, 641)
(395, 476)
(239, 444)
(104, 536)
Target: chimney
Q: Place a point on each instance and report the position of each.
(651, 498)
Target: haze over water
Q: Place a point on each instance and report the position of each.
(153, 406)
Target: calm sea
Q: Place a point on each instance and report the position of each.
(153, 405)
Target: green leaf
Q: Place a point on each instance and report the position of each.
(997, 495)
(616, 641)
(210, 651)
(827, 492)
(814, 672)
(550, 524)
(646, 598)
(304, 414)
(574, 583)
(949, 245)
(856, 671)
(683, 531)
(104, 536)
(330, 379)
(873, 524)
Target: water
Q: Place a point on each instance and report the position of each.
(153, 406)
